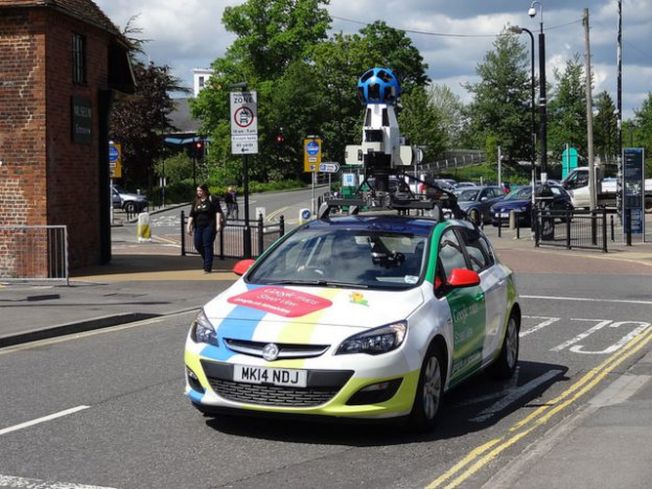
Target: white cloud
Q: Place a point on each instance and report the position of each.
(189, 34)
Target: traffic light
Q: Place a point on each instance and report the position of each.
(280, 138)
(198, 147)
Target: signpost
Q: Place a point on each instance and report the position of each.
(312, 160)
(634, 190)
(244, 141)
(115, 159)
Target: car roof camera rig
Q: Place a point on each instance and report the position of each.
(382, 155)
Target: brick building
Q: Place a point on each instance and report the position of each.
(61, 64)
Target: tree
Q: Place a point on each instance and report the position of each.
(643, 123)
(605, 128)
(501, 104)
(139, 121)
(422, 124)
(567, 110)
(451, 111)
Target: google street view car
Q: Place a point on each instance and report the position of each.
(366, 315)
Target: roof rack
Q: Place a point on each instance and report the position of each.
(400, 200)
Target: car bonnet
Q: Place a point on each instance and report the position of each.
(244, 310)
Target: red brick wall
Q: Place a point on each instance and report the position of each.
(73, 168)
(45, 178)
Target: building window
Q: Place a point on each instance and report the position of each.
(201, 82)
(79, 59)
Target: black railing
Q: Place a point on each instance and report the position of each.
(571, 228)
(230, 240)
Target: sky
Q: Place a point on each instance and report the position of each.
(189, 34)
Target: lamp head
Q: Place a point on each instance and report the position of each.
(532, 12)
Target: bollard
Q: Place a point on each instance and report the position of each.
(628, 227)
(261, 236)
(183, 233)
(613, 232)
(500, 225)
(281, 226)
(142, 228)
(512, 219)
(604, 229)
(518, 226)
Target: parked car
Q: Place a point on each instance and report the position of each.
(460, 185)
(130, 203)
(520, 200)
(477, 202)
(367, 317)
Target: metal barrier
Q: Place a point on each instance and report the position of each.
(34, 253)
(230, 239)
(571, 228)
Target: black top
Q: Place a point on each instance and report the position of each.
(203, 212)
(230, 198)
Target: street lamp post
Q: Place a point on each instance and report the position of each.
(519, 30)
(542, 90)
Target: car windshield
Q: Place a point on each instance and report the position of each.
(467, 195)
(522, 193)
(344, 257)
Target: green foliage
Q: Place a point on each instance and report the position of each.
(451, 111)
(605, 128)
(489, 174)
(643, 124)
(502, 99)
(175, 168)
(422, 124)
(491, 149)
(567, 110)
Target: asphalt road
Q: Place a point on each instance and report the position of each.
(131, 427)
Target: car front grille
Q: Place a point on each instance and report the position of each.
(272, 395)
(322, 386)
(286, 350)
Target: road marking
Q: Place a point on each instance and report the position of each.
(548, 321)
(273, 214)
(601, 324)
(619, 344)
(512, 395)
(49, 417)
(482, 455)
(586, 299)
(23, 483)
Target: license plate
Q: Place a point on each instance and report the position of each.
(267, 375)
(504, 214)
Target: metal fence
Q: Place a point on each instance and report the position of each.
(34, 253)
(571, 228)
(230, 240)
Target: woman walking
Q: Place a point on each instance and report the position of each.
(204, 221)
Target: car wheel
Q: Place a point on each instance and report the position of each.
(430, 389)
(130, 207)
(474, 216)
(505, 364)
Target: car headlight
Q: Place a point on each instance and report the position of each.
(202, 331)
(377, 341)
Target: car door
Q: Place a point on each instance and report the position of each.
(493, 281)
(466, 307)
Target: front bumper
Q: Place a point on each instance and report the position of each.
(330, 392)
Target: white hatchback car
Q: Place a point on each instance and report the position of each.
(356, 316)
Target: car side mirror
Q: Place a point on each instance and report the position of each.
(484, 198)
(242, 266)
(463, 277)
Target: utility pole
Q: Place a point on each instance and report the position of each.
(619, 108)
(589, 110)
(500, 176)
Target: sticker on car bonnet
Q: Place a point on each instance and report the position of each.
(278, 300)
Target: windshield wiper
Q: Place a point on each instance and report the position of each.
(320, 283)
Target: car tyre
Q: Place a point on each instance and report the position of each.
(474, 216)
(130, 207)
(430, 389)
(505, 365)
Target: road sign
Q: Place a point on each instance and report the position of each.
(115, 160)
(329, 167)
(244, 123)
(311, 154)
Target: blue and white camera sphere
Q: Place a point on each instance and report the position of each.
(379, 86)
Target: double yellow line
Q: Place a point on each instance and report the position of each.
(480, 456)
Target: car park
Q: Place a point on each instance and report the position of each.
(364, 316)
(477, 202)
(129, 202)
(520, 202)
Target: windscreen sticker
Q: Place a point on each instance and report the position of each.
(278, 300)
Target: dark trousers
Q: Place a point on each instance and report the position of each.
(204, 239)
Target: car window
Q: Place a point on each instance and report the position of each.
(451, 254)
(522, 193)
(467, 195)
(480, 259)
(367, 258)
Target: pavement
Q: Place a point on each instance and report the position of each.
(145, 280)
